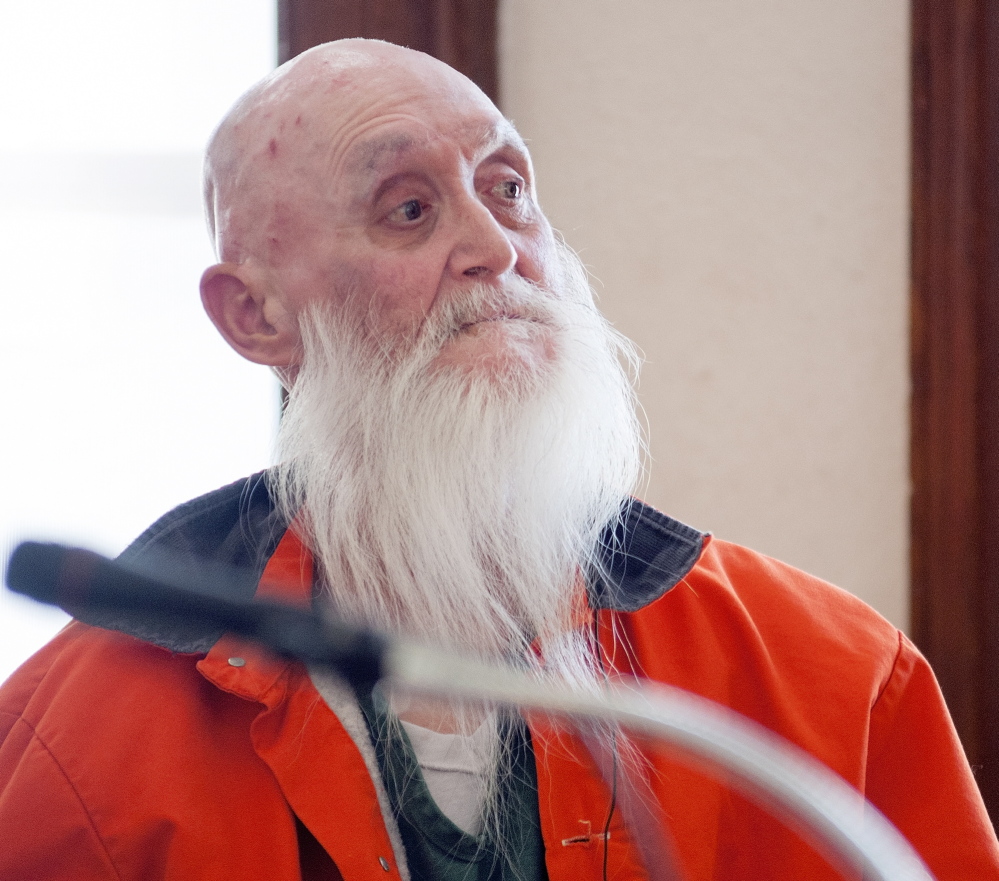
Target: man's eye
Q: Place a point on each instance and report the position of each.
(510, 189)
(408, 211)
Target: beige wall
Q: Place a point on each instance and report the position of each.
(735, 175)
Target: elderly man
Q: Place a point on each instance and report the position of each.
(457, 456)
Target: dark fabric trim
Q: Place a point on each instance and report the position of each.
(644, 556)
(218, 543)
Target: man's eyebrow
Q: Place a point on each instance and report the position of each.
(494, 138)
(369, 153)
(501, 136)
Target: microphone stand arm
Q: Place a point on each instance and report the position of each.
(765, 767)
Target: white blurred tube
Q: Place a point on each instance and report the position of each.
(777, 775)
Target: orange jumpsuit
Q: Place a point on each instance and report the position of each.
(121, 758)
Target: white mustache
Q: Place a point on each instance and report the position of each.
(518, 300)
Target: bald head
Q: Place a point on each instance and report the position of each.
(260, 153)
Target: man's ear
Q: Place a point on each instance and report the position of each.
(249, 315)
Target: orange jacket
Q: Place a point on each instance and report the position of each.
(121, 759)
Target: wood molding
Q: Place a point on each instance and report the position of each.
(955, 365)
(462, 33)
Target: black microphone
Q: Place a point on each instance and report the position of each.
(80, 581)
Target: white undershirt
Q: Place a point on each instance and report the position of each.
(456, 769)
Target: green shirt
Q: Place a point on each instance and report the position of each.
(436, 849)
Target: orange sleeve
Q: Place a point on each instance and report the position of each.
(917, 774)
(42, 813)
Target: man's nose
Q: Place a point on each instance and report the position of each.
(482, 248)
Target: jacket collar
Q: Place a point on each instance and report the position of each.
(223, 543)
(644, 555)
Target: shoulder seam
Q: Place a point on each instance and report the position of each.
(900, 641)
(35, 736)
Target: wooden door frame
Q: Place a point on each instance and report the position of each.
(462, 33)
(955, 365)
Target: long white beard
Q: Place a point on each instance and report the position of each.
(457, 505)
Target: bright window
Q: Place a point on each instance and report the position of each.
(121, 399)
